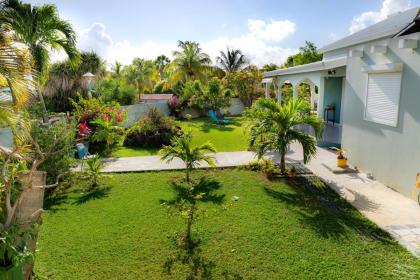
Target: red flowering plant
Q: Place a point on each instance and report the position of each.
(99, 123)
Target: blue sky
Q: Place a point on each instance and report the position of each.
(266, 31)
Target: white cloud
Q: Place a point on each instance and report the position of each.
(368, 18)
(259, 44)
(273, 31)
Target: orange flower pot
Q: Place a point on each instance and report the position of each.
(342, 162)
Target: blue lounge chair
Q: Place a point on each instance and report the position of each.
(213, 116)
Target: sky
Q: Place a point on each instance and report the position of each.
(267, 31)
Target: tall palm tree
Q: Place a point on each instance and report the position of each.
(117, 69)
(232, 60)
(143, 74)
(161, 61)
(181, 147)
(16, 73)
(273, 128)
(190, 62)
(42, 30)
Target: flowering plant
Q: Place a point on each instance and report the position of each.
(99, 123)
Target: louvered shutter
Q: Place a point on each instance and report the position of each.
(383, 97)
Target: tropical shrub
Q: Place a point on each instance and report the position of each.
(117, 90)
(61, 135)
(215, 97)
(245, 85)
(99, 123)
(273, 128)
(154, 129)
(264, 165)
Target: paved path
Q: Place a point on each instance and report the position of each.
(153, 163)
(391, 211)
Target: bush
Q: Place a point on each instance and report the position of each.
(62, 136)
(99, 123)
(153, 130)
(264, 165)
(117, 90)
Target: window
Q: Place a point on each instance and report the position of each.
(383, 98)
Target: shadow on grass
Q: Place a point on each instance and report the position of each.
(204, 186)
(206, 125)
(325, 211)
(55, 199)
(92, 194)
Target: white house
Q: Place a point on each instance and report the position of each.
(372, 81)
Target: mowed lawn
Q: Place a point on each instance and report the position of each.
(226, 138)
(295, 229)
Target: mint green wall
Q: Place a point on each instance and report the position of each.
(332, 94)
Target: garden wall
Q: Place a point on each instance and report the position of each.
(136, 111)
(6, 137)
(236, 107)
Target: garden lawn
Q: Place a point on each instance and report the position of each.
(276, 230)
(226, 138)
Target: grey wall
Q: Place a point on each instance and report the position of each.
(332, 95)
(6, 137)
(391, 154)
(136, 111)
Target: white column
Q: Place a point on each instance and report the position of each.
(279, 92)
(295, 91)
(266, 90)
(312, 90)
(321, 98)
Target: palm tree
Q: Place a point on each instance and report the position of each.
(143, 74)
(161, 61)
(65, 80)
(117, 69)
(16, 73)
(190, 62)
(42, 30)
(181, 147)
(273, 128)
(231, 60)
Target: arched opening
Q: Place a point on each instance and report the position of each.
(286, 92)
(307, 90)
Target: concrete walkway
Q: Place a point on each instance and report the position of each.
(391, 211)
(153, 163)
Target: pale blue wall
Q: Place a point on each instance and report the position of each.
(332, 94)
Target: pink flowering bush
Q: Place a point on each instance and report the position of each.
(99, 123)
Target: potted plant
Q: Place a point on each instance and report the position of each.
(341, 158)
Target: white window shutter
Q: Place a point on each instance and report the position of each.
(383, 98)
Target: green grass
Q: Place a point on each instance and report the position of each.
(226, 138)
(276, 230)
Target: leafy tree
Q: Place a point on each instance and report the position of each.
(269, 67)
(161, 61)
(307, 54)
(143, 74)
(245, 84)
(215, 97)
(231, 60)
(190, 62)
(273, 128)
(182, 148)
(117, 89)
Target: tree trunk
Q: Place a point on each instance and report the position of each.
(283, 162)
(44, 108)
(190, 221)
(30, 208)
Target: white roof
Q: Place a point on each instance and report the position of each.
(383, 29)
(310, 67)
